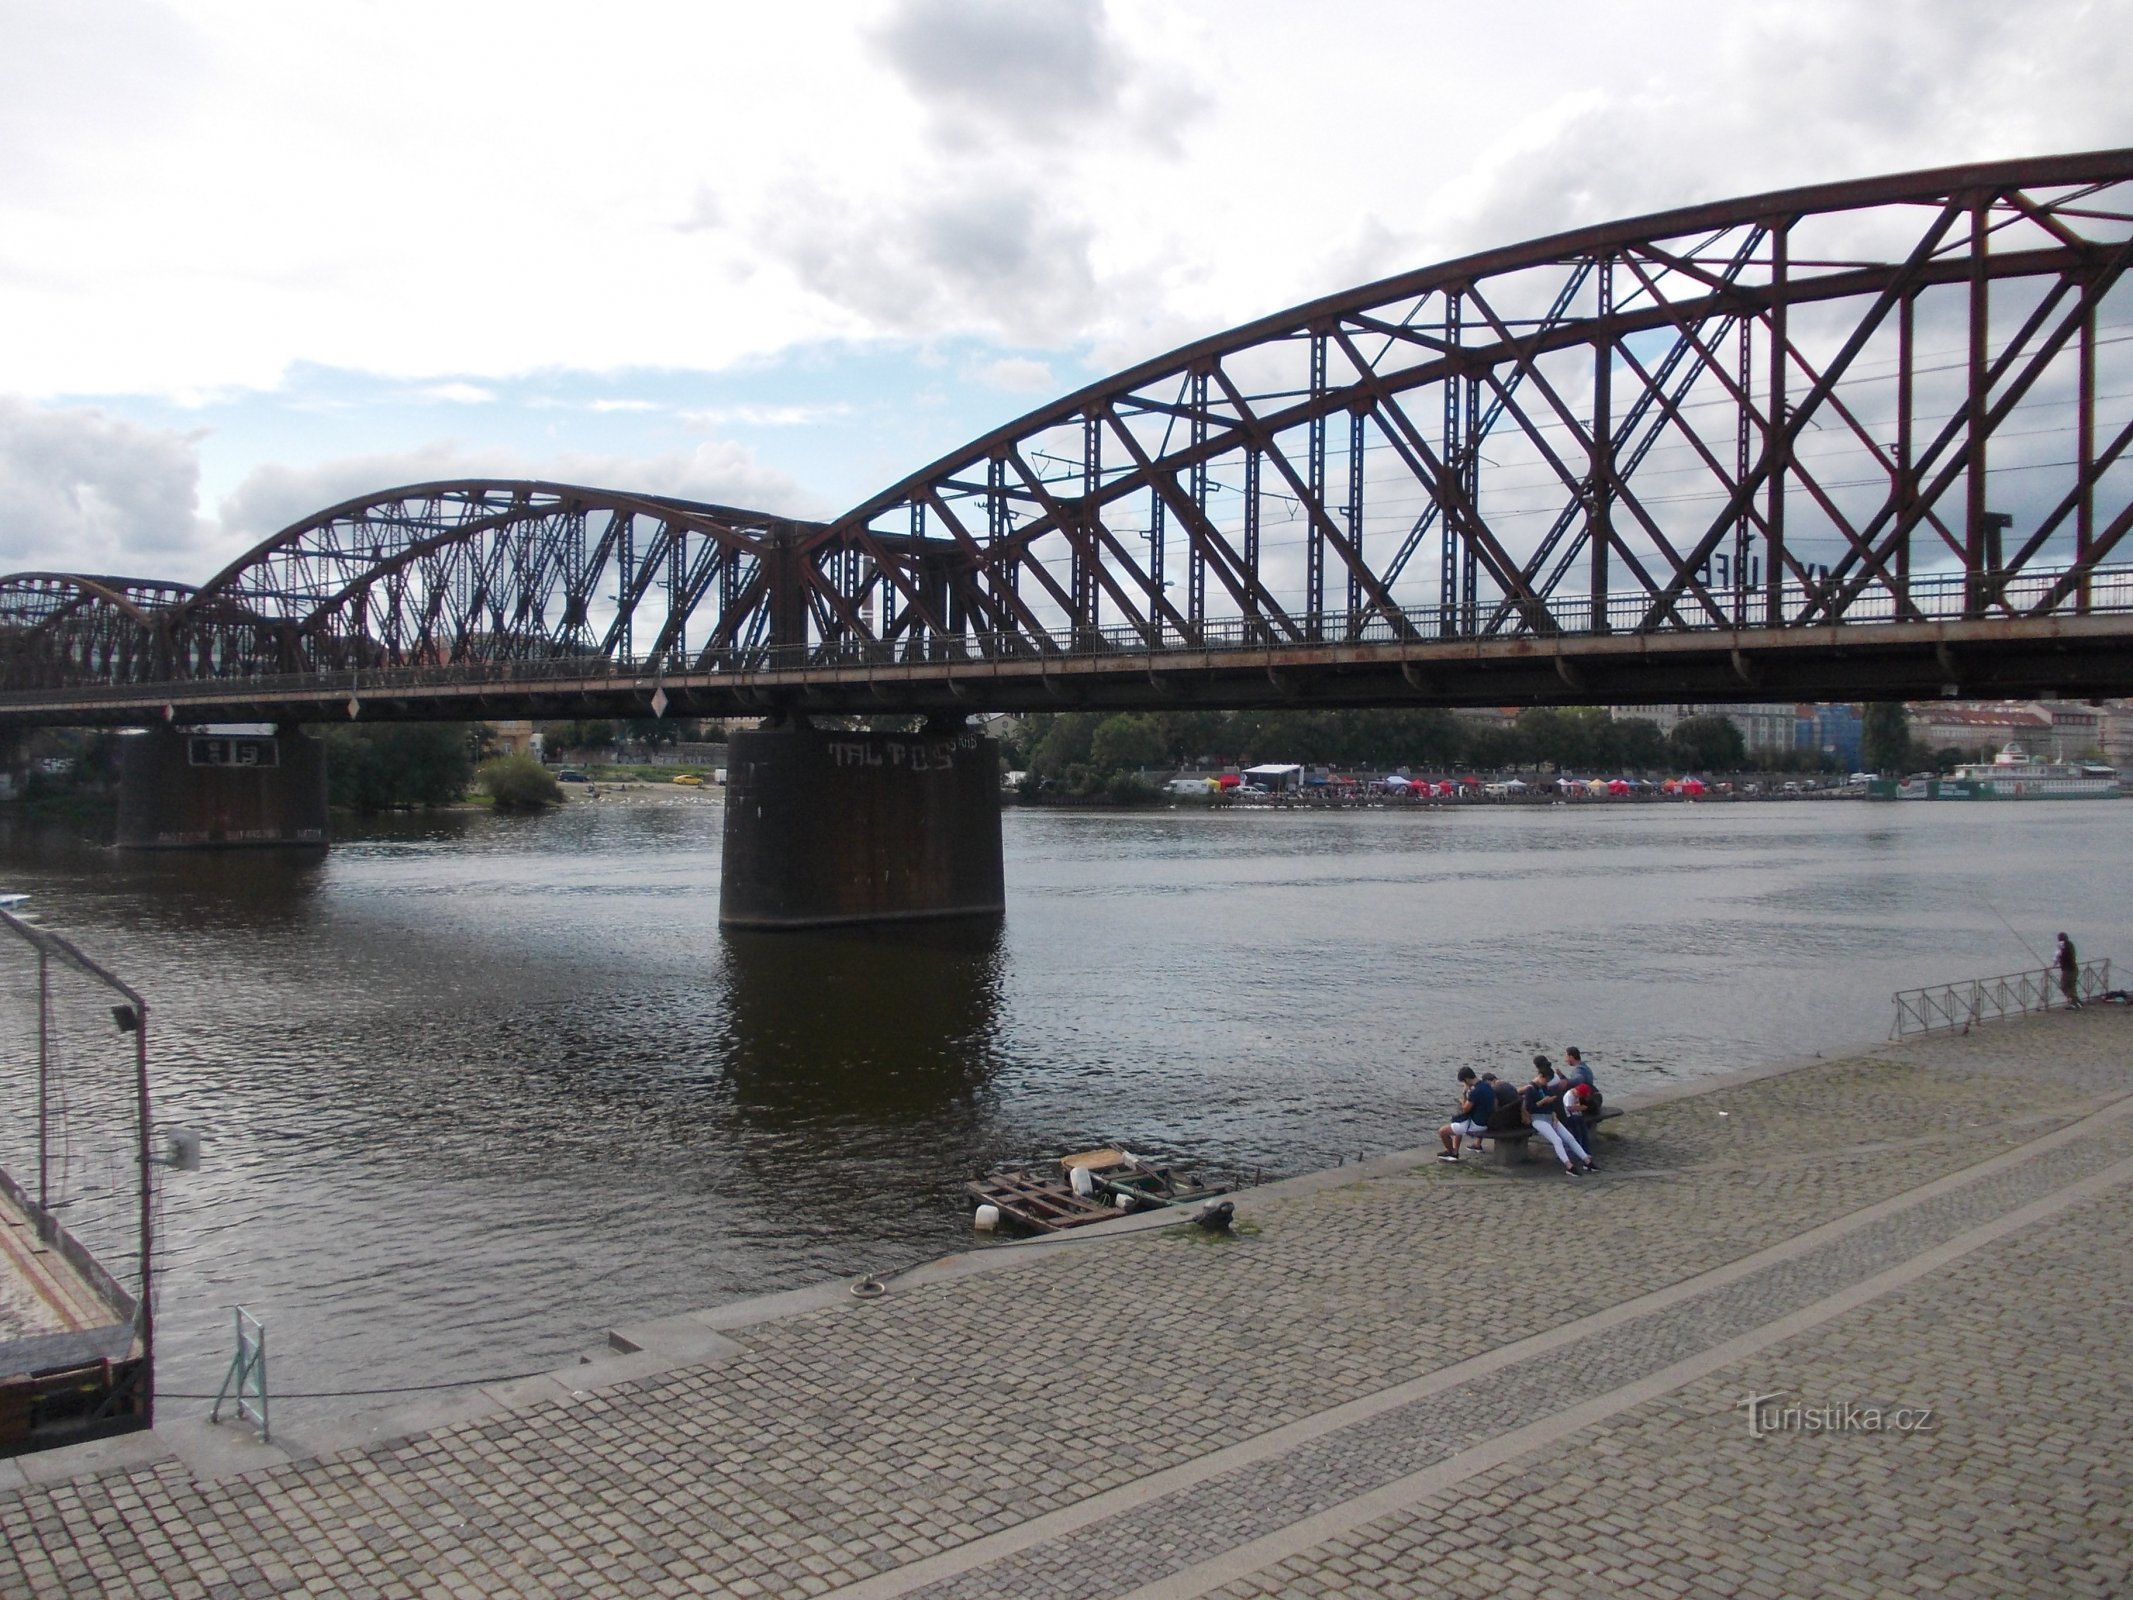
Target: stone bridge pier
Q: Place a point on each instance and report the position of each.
(826, 828)
(183, 789)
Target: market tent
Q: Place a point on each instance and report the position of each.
(1276, 775)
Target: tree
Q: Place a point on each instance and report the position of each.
(1063, 743)
(519, 783)
(390, 765)
(1708, 744)
(1639, 745)
(1885, 737)
(1124, 742)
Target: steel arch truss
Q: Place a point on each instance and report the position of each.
(1904, 401)
(58, 629)
(487, 574)
(1905, 398)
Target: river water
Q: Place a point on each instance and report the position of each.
(476, 1088)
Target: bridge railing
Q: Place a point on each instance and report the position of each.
(1936, 597)
(1973, 1000)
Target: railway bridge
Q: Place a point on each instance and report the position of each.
(1861, 440)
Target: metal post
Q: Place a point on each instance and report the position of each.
(1314, 537)
(1158, 535)
(677, 583)
(1196, 558)
(148, 1253)
(2085, 453)
(1355, 522)
(1774, 431)
(1976, 586)
(1906, 470)
(1087, 607)
(625, 582)
(1743, 443)
(44, 1080)
(1600, 481)
(1454, 446)
(1469, 563)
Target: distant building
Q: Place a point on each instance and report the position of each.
(1768, 729)
(2116, 733)
(2064, 730)
(1979, 731)
(2077, 728)
(1836, 731)
(515, 738)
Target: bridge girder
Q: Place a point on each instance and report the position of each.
(1888, 404)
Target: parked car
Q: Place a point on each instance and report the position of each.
(690, 779)
(571, 775)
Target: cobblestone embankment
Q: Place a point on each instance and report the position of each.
(1410, 1379)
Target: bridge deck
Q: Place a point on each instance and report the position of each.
(2003, 656)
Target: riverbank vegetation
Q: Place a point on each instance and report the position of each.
(518, 783)
(397, 766)
(1093, 755)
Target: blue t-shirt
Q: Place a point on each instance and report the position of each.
(1537, 1098)
(1481, 1102)
(1581, 1074)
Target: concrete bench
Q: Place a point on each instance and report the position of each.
(1511, 1145)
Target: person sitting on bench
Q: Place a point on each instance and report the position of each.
(1542, 1101)
(1477, 1104)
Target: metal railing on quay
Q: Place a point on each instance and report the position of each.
(1970, 1001)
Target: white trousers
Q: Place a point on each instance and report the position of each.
(1567, 1150)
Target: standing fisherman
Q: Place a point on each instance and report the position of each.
(2069, 972)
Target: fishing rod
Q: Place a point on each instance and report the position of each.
(2010, 927)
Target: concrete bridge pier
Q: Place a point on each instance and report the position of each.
(826, 828)
(183, 789)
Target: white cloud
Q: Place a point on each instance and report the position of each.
(1037, 71)
(716, 471)
(456, 394)
(759, 416)
(81, 491)
(188, 205)
(996, 258)
(1015, 374)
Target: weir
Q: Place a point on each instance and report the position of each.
(184, 789)
(826, 828)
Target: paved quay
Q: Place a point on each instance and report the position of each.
(1403, 1379)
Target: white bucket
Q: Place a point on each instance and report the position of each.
(988, 1218)
(1084, 1185)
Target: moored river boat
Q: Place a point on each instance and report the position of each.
(2012, 775)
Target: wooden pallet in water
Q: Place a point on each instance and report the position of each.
(1041, 1203)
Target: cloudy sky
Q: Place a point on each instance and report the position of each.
(257, 257)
